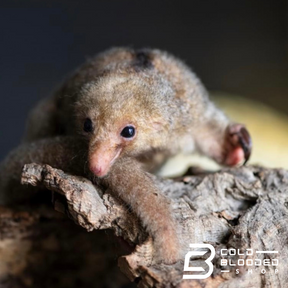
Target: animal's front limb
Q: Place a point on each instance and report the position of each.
(139, 190)
(226, 142)
(66, 153)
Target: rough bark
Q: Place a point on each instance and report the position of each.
(241, 208)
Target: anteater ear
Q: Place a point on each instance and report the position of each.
(157, 126)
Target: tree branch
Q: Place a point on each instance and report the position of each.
(241, 208)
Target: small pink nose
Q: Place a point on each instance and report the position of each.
(96, 170)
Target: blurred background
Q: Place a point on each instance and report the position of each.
(236, 47)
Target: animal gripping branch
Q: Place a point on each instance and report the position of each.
(241, 208)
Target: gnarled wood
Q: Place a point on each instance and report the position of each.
(241, 208)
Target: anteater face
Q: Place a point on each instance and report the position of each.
(120, 115)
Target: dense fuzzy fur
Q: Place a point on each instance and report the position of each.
(161, 98)
(166, 95)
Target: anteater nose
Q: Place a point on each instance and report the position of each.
(96, 170)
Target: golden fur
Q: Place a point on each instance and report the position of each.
(149, 89)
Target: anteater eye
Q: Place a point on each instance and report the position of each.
(128, 132)
(88, 126)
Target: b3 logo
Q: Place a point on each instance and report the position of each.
(188, 268)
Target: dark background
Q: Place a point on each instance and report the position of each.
(234, 46)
